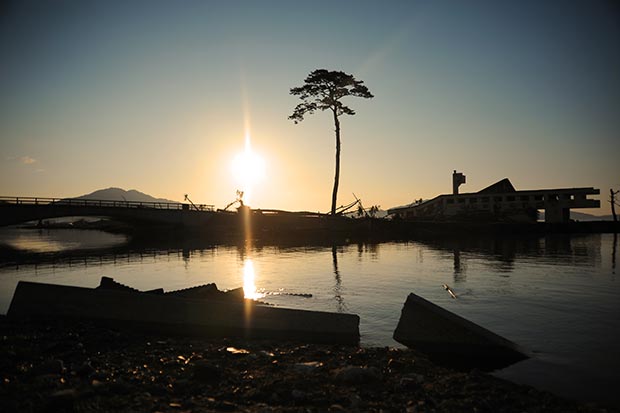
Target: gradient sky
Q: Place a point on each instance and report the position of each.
(157, 96)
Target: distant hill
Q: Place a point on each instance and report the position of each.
(582, 216)
(119, 194)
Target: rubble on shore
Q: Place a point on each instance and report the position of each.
(81, 367)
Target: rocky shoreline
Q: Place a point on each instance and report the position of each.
(81, 367)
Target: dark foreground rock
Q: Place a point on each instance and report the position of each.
(82, 367)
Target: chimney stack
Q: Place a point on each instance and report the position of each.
(457, 179)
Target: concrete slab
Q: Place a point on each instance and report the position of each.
(182, 316)
(451, 340)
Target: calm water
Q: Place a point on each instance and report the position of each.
(557, 296)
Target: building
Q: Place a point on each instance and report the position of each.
(499, 202)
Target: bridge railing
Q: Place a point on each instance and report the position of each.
(24, 200)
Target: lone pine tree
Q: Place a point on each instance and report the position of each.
(322, 90)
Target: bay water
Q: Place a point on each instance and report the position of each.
(558, 296)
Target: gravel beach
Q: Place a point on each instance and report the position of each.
(81, 367)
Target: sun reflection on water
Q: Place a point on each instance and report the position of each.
(249, 276)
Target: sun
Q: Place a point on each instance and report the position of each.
(248, 169)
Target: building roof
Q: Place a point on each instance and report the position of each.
(499, 187)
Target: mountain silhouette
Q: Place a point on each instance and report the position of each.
(581, 216)
(119, 194)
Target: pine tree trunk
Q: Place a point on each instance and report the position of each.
(337, 174)
(613, 204)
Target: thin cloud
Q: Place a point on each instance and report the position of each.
(27, 160)
(379, 57)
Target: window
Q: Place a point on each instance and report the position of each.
(473, 200)
(450, 201)
(461, 200)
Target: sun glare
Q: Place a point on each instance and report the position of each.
(248, 169)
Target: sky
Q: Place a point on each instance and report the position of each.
(159, 96)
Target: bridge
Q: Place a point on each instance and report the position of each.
(200, 219)
(16, 210)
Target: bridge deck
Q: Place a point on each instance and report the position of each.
(15, 210)
(64, 202)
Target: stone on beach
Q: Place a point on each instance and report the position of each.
(137, 372)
